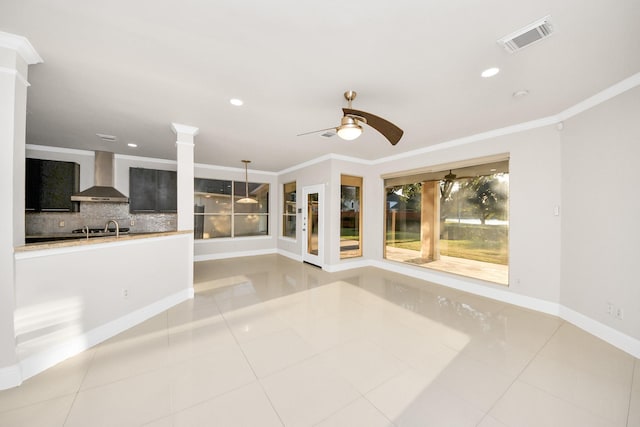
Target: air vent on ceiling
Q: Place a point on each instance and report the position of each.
(107, 138)
(528, 35)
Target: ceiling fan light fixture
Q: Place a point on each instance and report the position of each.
(349, 129)
(351, 124)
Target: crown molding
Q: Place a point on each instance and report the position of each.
(603, 96)
(324, 158)
(91, 153)
(184, 129)
(52, 149)
(21, 45)
(520, 127)
(600, 97)
(144, 159)
(232, 169)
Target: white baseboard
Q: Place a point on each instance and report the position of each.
(31, 365)
(10, 376)
(476, 287)
(604, 332)
(348, 265)
(226, 255)
(290, 255)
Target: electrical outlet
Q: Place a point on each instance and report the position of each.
(610, 309)
(133, 222)
(61, 224)
(125, 293)
(619, 313)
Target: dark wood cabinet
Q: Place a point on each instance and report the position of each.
(167, 191)
(142, 190)
(33, 183)
(49, 185)
(152, 190)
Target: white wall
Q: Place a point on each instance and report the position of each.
(68, 299)
(534, 235)
(535, 192)
(601, 212)
(13, 101)
(314, 173)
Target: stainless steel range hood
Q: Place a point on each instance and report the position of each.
(103, 190)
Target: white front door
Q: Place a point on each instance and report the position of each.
(313, 225)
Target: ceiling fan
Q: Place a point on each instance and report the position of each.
(350, 125)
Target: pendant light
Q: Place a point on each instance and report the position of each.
(246, 198)
(447, 185)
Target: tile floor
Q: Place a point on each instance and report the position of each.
(270, 342)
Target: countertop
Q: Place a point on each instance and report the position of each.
(94, 240)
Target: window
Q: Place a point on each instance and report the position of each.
(217, 213)
(289, 210)
(455, 221)
(350, 216)
(251, 219)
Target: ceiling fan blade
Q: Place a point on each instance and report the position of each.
(390, 131)
(316, 131)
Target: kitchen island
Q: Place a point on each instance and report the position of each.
(73, 294)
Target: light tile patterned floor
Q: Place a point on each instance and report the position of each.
(270, 342)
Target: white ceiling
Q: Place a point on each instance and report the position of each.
(130, 68)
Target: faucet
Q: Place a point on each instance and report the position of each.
(106, 227)
(85, 230)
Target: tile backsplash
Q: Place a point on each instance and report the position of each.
(96, 215)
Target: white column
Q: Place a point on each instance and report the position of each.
(184, 151)
(184, 148)
(16, 54)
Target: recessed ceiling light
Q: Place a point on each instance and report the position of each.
(237, 102)
(132, 145)
(520, 93)
(490, 72)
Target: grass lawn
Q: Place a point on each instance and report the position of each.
(493, 252)
(349, 233)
